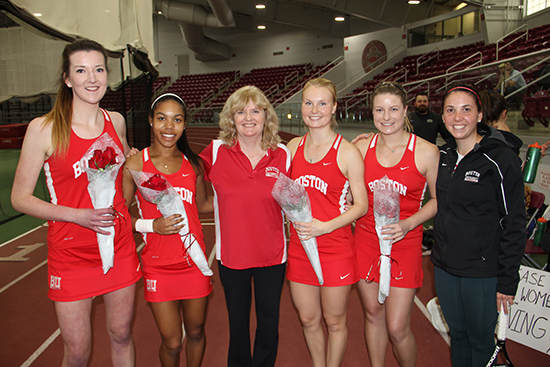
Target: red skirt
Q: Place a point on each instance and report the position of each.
(336, 273)
(174, 282)
(76, 273)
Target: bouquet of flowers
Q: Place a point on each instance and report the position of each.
(293, 199)
(157, 190)
(101, 162)
(386, 211)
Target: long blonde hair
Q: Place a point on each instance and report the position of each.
(61, 115)
(237, 102)
(395, 89)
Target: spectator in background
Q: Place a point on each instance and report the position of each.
(425, 123)
(511, 78)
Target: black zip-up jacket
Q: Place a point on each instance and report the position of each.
(479, 228)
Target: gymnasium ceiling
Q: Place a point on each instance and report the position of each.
(361, 16)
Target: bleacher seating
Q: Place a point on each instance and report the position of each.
(270, 80)
(123, 100)
(195, 89)
(537, 107)
(436, 64)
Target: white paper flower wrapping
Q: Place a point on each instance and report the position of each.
(386, 211)
(101, 188)
(293, 199)
(169, 202)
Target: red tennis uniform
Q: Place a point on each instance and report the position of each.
(249, 222)
(168, 273)
(327, 188)
(407, 253)
(74, 263)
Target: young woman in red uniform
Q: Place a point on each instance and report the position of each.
(328, 166)
(411, 163)
(57, 142)
(175, 287)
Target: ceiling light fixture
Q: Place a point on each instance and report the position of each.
(414, 2)
(339, 18)
(260, 5)
(261, 27)
(37, 14)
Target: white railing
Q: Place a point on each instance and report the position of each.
(428, 56)
(526, 34)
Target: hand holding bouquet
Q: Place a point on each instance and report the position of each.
(293, 199)
(157, 190)
(101, 162)
(386, 211)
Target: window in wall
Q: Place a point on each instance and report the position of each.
(451, 28)
(534, 6)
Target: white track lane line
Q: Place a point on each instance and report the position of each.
(13, 282)
(24, 234)
(42, 348)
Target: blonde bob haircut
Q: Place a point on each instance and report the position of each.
(395, 89)
(237, 102)
(331, 87)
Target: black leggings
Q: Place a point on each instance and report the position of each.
(470, 309)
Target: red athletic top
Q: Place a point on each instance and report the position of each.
(412, 186)
(168, 249)
(249, 222)
(68, 186)
(327, 188)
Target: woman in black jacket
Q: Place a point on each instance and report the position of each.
(479, 228)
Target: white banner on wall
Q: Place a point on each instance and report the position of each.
(544, 176)
(529, 319)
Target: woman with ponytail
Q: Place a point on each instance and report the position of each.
(479, 228)
(175, 288)
(57, 142)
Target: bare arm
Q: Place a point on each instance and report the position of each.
(120, 127)
(36, 148)
(360, 137)
(544, 148)
(293, 145)
(363, 145)
(128, 185)
(427, 162)
(204, 202)
(161, 225)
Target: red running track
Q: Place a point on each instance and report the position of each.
(30, 336)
